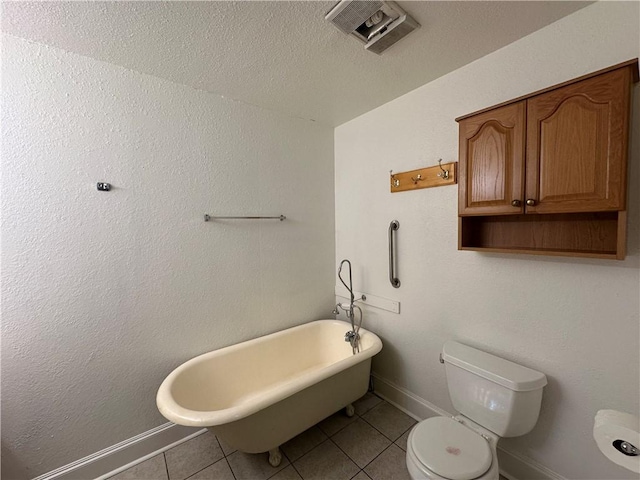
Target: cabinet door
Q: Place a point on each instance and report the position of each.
(491, 159)
(577, 146)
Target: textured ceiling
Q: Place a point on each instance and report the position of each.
(280, 55)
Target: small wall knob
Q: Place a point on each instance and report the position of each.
(531, 202)
(516, 203)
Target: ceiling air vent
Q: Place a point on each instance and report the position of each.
(376, 24)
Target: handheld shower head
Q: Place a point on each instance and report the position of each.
(352, 336)
(350, 286)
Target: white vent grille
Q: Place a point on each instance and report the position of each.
(349, 15)
(397, 30)
(376, 24)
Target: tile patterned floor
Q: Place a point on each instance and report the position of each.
(368, 446)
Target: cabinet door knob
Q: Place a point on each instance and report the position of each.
(531, 202)
(516, 203)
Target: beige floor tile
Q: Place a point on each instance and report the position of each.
(324, 462)
(389, 420)
(218, 471)
(315, 457)
(366, 403)
(152, 469)
(192, 456)
(361, 442)
(303, 443)
(390, 465)
(249, 466)
(336, 422)
(226, 448)
(402, 441)
(288, 473)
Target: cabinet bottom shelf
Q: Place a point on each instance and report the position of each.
(594, 235)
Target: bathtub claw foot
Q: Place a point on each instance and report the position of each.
(350, 410)
(275, 457)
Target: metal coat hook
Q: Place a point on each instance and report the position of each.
(395, 182)
(444, 174)
(419, 178)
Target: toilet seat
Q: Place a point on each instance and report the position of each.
(449, 449)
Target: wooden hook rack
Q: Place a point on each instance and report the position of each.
(436, 176)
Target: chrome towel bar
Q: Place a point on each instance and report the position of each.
(212, 217)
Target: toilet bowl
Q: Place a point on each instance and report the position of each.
(443, 448)
(495, 397)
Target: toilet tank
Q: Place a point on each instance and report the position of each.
(499, 395)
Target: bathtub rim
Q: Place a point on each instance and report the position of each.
(180, 415)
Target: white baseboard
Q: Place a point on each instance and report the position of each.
(512, 465)
(126, 454)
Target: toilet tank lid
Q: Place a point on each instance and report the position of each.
(503, 372)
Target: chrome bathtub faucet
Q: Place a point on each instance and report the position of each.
(352, 336)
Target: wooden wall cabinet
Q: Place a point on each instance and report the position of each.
(491, 152)
(547, 173)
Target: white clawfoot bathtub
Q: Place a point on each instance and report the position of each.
(258, 394)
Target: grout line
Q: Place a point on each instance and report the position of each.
(205, 467)
(305, 454)
(226, 459)
(374, 427)
(396, 441)
(195, 473)
(393, 442)
(374, 459)
(284, 453)
(166, 466)
(291, 462)
(385, 436)
(352, 460)
(220, 445)
(341, 428)
(339, 448)
(279, 467)
(296, 470)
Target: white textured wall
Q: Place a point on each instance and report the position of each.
(577, 320)
(103, 294)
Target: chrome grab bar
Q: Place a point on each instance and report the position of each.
(395, 282)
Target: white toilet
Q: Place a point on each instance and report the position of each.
(495, 397)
